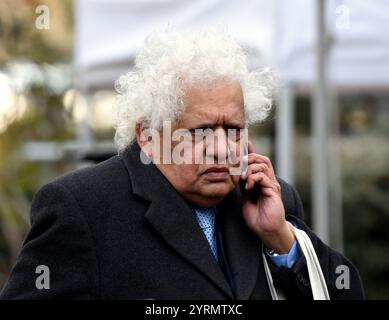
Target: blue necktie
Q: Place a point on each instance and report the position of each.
(206, 219)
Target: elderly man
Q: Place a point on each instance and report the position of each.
(186, 208)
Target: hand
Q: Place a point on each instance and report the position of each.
(266, 217)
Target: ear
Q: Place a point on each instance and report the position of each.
(144, 139)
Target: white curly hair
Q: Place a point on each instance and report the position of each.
(153, 90)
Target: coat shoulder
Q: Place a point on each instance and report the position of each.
(291, 200)
(104, 174)
(96, 183)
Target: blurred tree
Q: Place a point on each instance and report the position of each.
(44, 117)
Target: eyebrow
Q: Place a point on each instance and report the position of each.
(231, 124)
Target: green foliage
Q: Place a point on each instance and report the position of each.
(44, 119)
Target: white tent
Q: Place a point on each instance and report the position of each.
(358, 42)
(109, 33)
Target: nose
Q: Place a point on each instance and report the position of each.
(220, 146)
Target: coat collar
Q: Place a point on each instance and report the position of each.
(171, 216)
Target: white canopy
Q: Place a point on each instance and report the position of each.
(358, 42)
(109, 33)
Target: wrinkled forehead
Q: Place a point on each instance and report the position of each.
(214, 104)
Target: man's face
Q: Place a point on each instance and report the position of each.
(204, 178)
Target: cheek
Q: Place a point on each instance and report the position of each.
(187, 173)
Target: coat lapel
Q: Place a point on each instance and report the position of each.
(172, 217)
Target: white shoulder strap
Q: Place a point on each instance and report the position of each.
(316, 277)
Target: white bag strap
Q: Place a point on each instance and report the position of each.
(269, 278)
(316, 277)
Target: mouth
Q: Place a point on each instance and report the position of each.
(217, 173)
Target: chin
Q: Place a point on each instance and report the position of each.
(217, 190)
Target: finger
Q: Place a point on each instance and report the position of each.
(257, 158)
(255, 167)
(268, 191)
(262, 180)
(250, 147)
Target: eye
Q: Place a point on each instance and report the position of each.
(201, 131)
(233, 133)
